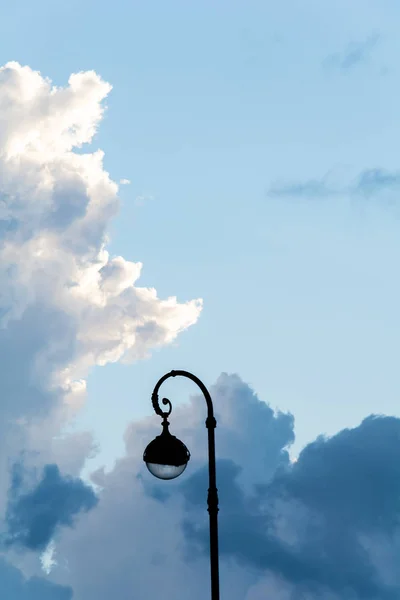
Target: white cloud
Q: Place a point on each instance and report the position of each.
(56, 206)
(65, 303)
(47, 558)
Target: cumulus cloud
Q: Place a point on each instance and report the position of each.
(34, 516)
(324, 527)
(66, 304)
(138, 527)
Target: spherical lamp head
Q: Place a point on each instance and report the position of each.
(166, 457)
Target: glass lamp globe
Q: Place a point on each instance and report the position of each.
(166, 457)
(165, 471)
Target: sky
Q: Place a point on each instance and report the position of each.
(207, 186)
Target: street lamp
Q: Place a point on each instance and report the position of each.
(166, 457)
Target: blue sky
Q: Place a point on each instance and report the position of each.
(212, 104)
(260, 141)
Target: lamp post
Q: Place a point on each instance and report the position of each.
(166, 457)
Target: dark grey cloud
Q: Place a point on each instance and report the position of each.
(342, 491)
(353, 55)
(317, 529)
(370, 183)
(34, 516)
(14, 586)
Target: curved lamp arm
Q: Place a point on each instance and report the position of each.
(211, 422)
(212, 499)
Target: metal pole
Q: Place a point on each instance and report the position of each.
(212, 502)
(212, 498)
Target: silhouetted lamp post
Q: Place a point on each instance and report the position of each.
(166, 457)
